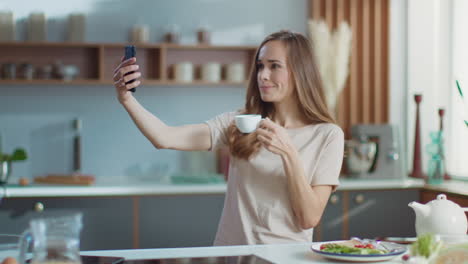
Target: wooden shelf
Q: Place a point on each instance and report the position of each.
(96, 61)
(207, 47)
(151, 82)
(51, 44)
(197, 83)
(114, 44)
(53, 82)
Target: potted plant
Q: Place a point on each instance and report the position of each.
(6, 160)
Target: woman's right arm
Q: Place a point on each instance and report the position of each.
(162, 136)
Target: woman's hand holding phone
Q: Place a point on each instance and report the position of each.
(126, 78)
(130, 52)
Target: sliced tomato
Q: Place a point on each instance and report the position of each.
(364, 246)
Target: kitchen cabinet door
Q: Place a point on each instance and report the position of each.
(179, 221)
(107, 222)
(381, 213)
(331, 224)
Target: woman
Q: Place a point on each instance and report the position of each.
(280, 176)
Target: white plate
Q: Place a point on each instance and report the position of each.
(397, 250)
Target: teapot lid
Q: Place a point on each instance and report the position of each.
(442, 200)
(441, 197)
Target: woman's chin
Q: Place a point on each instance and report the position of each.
(266, 98)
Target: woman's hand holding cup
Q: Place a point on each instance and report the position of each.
(247, 123)
(271, 135)
(274, 137)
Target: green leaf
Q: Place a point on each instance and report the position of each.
(18, 155)
(459, 89)
(425, 246)
(4, 157)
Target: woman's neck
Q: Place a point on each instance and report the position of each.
(289, 115)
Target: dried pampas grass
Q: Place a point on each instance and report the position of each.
(333, 50)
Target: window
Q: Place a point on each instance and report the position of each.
(457, 132)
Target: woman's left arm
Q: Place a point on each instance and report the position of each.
(307, 202)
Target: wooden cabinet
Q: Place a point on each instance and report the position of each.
(381, 213)
(125, 222)
(429, 195)
(107, 221)
(96, 61)
(368, 214)
(179, 221)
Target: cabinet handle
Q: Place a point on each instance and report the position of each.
(359, 199)
(334, 199)
(39, 207)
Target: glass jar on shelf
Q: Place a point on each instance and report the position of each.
(172, 34)
(203, 34)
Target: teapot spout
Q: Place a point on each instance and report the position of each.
(420, 209)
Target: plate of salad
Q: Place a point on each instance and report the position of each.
(359, 250)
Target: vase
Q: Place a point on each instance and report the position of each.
(417, 157)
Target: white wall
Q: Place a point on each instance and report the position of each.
(39, 117)
(233, 22)
(458, 134)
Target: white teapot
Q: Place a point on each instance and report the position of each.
(440, 216)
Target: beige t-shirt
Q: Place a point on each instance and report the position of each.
(257, 208)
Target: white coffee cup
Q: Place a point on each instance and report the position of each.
(247, 123)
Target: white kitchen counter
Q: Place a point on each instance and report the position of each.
(361, 184)
(287, 253)
(39, 190)
(130, 188)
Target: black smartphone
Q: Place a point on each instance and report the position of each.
(130, 52)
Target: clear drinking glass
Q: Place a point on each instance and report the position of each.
(54, 240)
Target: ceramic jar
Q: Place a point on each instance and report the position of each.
(183, 72)
(211, 72)
(37, 27)
(140, 34)
(235, 72)
(7, 26)
(76, 27)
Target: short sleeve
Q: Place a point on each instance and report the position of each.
(328, 167)
(218, 128)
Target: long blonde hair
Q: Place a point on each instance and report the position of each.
(308, 90)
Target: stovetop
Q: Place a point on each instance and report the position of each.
(246, 259)
(243, 259)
